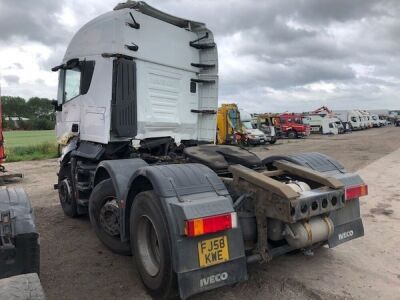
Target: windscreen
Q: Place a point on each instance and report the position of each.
(247, 124)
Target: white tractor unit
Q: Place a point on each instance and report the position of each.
(136, 115)
(350, 118)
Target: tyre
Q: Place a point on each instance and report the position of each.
(292, 134)
(151, 246)
(66, 193)
(104, 215)
(273, 140)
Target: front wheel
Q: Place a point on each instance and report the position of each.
(66, 192)
(151, 246)
(104, 214)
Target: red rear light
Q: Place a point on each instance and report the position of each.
(200, 226)
(356, 191)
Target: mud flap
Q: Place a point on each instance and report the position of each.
(347, 224)
(201, 280)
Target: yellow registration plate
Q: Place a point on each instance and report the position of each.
(213, 251)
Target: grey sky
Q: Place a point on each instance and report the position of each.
(274, 55)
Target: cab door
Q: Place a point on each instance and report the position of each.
(68, 119)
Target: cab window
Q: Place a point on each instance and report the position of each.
(72, 85)
(353, 119)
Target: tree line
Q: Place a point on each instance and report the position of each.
(34, 114)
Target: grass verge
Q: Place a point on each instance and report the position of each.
(43, 150)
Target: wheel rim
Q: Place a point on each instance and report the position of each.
(109, 217)
(65, 192)
(148, 246)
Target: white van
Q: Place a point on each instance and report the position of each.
(255, 136)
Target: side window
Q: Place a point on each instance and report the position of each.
(283, 121)
(330, 125)
(72, 85)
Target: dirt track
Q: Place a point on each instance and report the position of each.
(75, 265)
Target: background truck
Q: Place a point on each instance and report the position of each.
(375, 120)
(321, 125)
(136, 112)
(325, 112)
(266, 123)
(291, 126)
(350, 118)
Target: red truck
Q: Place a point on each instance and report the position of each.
(291, 126)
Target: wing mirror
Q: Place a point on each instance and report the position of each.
(57, 107)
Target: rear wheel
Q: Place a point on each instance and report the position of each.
(104, 215)
(151, 246)
(292, 134)
(66, 193)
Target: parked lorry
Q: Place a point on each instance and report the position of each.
(266, 123)
(350, 118)
(136, 110)
(325, 125)
(291, 126)
(376, 122)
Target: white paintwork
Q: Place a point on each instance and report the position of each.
(322, 125)
(254, 134)
(375, 120)
(163, 72)
(349, 116)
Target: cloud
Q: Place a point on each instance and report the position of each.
(11, 79)
(32, 20)
(273, 55)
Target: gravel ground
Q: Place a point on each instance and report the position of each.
(75, 265)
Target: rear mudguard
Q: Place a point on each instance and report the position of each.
(120, 171)
(347, 220)
(189, 191)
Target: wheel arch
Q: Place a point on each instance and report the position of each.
(120, 171)
(168, 182)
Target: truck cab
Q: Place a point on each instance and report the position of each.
(291, 125)
(375, 120)
(362, 120)
(322, 125)
(354, 120)
(266, 123)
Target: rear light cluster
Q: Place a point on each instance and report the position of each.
(354, 192)
(211, 224)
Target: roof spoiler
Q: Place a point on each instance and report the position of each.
(146, 9)
(72, 63)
